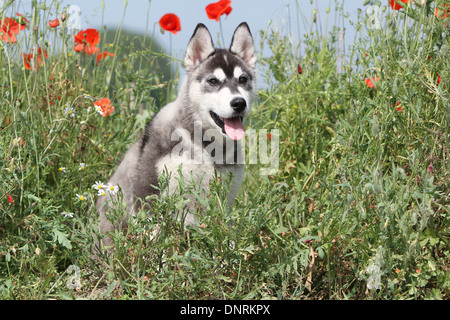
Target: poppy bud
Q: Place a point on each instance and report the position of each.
(63, 17)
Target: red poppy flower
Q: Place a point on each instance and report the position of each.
(170, 22)
(28, 62)
(395, 5)
(54, 23)
(371, 82)
(443, 11)
(87, 40)
(215, 10)
(299, 69)
(22, 21)
(8, 30)
(10, 199)
(104, 107)
(103, 54)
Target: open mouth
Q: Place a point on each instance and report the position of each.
(232, 127)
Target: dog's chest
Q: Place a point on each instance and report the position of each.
(184, 165)
(197, 165)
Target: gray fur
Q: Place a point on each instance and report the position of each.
(147, 158)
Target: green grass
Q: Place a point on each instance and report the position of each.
(357, 210)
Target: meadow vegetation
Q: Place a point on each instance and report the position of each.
(358, 209)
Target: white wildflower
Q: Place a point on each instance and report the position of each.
(98, 109)
(69, 111)
(113, 189)
(67, 214)
(87, 96)
(98, 185)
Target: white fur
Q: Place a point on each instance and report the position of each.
(237, 72)
(219, 74)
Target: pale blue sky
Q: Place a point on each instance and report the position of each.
(256, 13)
(286, 15)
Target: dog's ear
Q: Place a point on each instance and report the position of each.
(199, 48)
(242, 44)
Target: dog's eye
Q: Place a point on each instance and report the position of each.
(213, 81)
(243, 79)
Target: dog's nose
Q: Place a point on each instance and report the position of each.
(238, 104)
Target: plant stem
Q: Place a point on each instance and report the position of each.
(221, 31)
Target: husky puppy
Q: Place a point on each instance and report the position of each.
(196, 135)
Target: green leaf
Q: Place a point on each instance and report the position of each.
(62, 239)
(280, 230)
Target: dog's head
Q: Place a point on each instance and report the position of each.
(221, 80)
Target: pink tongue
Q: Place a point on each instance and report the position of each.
(234, 128)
